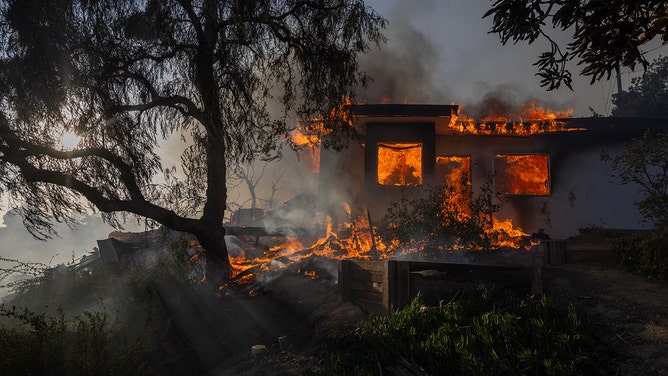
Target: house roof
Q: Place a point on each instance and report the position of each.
(444, 117)
(616, 123)
(404, 110)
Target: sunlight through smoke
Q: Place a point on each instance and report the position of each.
(69, 140)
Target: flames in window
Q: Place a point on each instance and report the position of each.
(522, 174)
(455, 173)
(400, 164)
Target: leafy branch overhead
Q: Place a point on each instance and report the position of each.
(124, 76)
(605, 35)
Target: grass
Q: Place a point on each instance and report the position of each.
(88, 344)
(97, 321)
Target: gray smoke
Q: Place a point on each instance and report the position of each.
(403, 70)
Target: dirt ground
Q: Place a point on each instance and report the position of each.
(292, 315)
(632, 312)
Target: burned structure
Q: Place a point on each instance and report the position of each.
(546, 171)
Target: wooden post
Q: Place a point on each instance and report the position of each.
(344, 279)
(403, 282)
(537, 281)
(373, 236)
(553, 251)
(389, 285)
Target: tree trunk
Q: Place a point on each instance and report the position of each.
(218, 268)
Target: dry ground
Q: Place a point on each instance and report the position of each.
(632, 312)
(293, 315)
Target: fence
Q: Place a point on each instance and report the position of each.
(380, 285)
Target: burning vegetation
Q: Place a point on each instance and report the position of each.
(447, 219)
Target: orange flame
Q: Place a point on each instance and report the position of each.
(307, 135)
(309, 148)
(400, 164)
(507, 235)
(526, 174)
(529, 121)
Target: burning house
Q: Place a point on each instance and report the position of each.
(546, 170)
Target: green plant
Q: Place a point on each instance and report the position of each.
(644, 163)
(479, 332)
(89, 344)
(645, 254)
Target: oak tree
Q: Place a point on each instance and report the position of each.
(125, 74)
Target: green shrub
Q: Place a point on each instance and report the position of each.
(89, 344)
(97, 321)
(645, 254)
(481, 332)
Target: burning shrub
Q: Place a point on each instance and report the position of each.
(479, 332)
(440, 219)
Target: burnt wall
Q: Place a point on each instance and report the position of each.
(582, 193)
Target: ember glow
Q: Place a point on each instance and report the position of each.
(522, 174)
(400, 164)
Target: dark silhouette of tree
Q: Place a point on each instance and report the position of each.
(124, 74)
(648, 95)
(605, 34)
(644, 162)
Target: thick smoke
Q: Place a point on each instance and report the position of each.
(409, 69)
(403, 70)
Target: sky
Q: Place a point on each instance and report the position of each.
(438, 51)
(464, 63)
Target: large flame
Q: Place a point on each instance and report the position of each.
(522, 174)
(400, 164)
(528, 121)
(455, 171)
(307, 136)
(355, 238)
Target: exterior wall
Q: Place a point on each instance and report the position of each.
(378, 197)
(582, 193)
